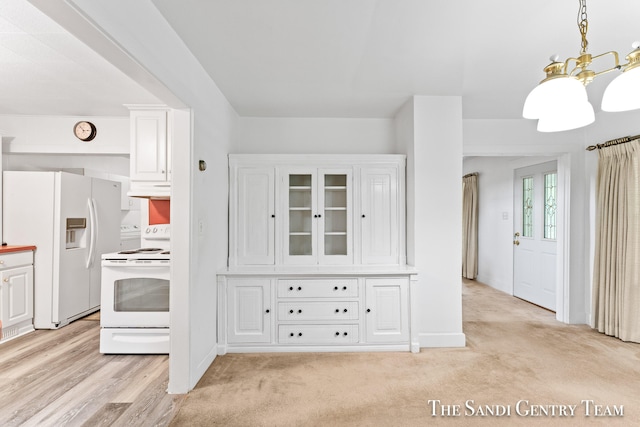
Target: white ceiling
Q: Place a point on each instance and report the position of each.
(323, 58)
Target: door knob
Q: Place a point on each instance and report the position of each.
(515, 238)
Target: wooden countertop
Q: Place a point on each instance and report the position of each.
(16, 248)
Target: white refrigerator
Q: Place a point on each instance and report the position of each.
(72, 220)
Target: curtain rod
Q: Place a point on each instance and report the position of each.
(470, 174)
(612, 142)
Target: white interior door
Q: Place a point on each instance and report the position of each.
(534, 239)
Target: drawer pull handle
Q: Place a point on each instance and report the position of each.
(299, 334)
(290, 288)
(299, 311)
(337, 310)
(291, 311)
(299, 288)
(291, 334)
(345, 334)
(344, 288)
(345, 310)
(337, 333)
(335, 288)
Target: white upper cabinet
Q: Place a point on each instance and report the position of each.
(379, 222)
(150, 155)
(149, 145)
(316, 210)
(254, 235)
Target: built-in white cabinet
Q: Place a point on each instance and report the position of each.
(316, 255)
(248, 306)
(150, 155)
(268, 311)
(16, 294)
(316, 210)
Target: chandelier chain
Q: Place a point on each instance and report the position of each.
(583, 24)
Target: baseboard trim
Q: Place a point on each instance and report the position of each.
(442, 340)
(202, 367)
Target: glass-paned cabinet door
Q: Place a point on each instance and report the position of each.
(300, 224)
(318, 223)
(335, 218)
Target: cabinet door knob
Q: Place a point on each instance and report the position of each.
(315, 216)
(291, 334)
(368, 310)
(290, 288)
(337, 333)
(273, 216)
(299, 311)
(345, 310)
(344, 288)
(6, 279)
(319, 216)
(335, 288)
(299, 288)
(362, 215)
(299, 334)
(291, 311)
(267, 310)
(345, 334)
(337, 310)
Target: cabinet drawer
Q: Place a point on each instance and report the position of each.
(16, 259)
(317, 288)
(318, 334)
(334, 310)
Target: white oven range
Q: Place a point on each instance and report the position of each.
(134, 312)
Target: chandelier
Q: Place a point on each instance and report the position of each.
(560, 101)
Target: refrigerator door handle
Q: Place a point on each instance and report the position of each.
(93, 229)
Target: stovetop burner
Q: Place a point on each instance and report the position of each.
(144, 251)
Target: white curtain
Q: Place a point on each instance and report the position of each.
(616, 278)
(470, 226)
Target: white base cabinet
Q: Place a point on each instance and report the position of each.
(316, 312)
(16, 294)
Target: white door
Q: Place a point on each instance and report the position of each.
(534, 238)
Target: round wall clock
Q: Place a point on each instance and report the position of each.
(84, 131)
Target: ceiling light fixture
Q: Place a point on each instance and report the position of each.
(560, 101)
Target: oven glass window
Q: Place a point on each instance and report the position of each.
(141, 294)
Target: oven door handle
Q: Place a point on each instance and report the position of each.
(93, 230)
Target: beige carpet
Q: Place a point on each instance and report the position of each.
(515, 352)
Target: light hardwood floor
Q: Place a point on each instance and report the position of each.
(59, 378)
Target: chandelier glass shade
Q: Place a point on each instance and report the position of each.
(560, 101)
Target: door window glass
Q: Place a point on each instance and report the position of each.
(550, 204)
(527, 206)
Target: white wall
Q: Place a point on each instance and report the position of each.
(54, 134)
(270, 135)
(199, 199)
(430, 132)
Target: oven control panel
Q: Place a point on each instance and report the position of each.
(157, 232)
